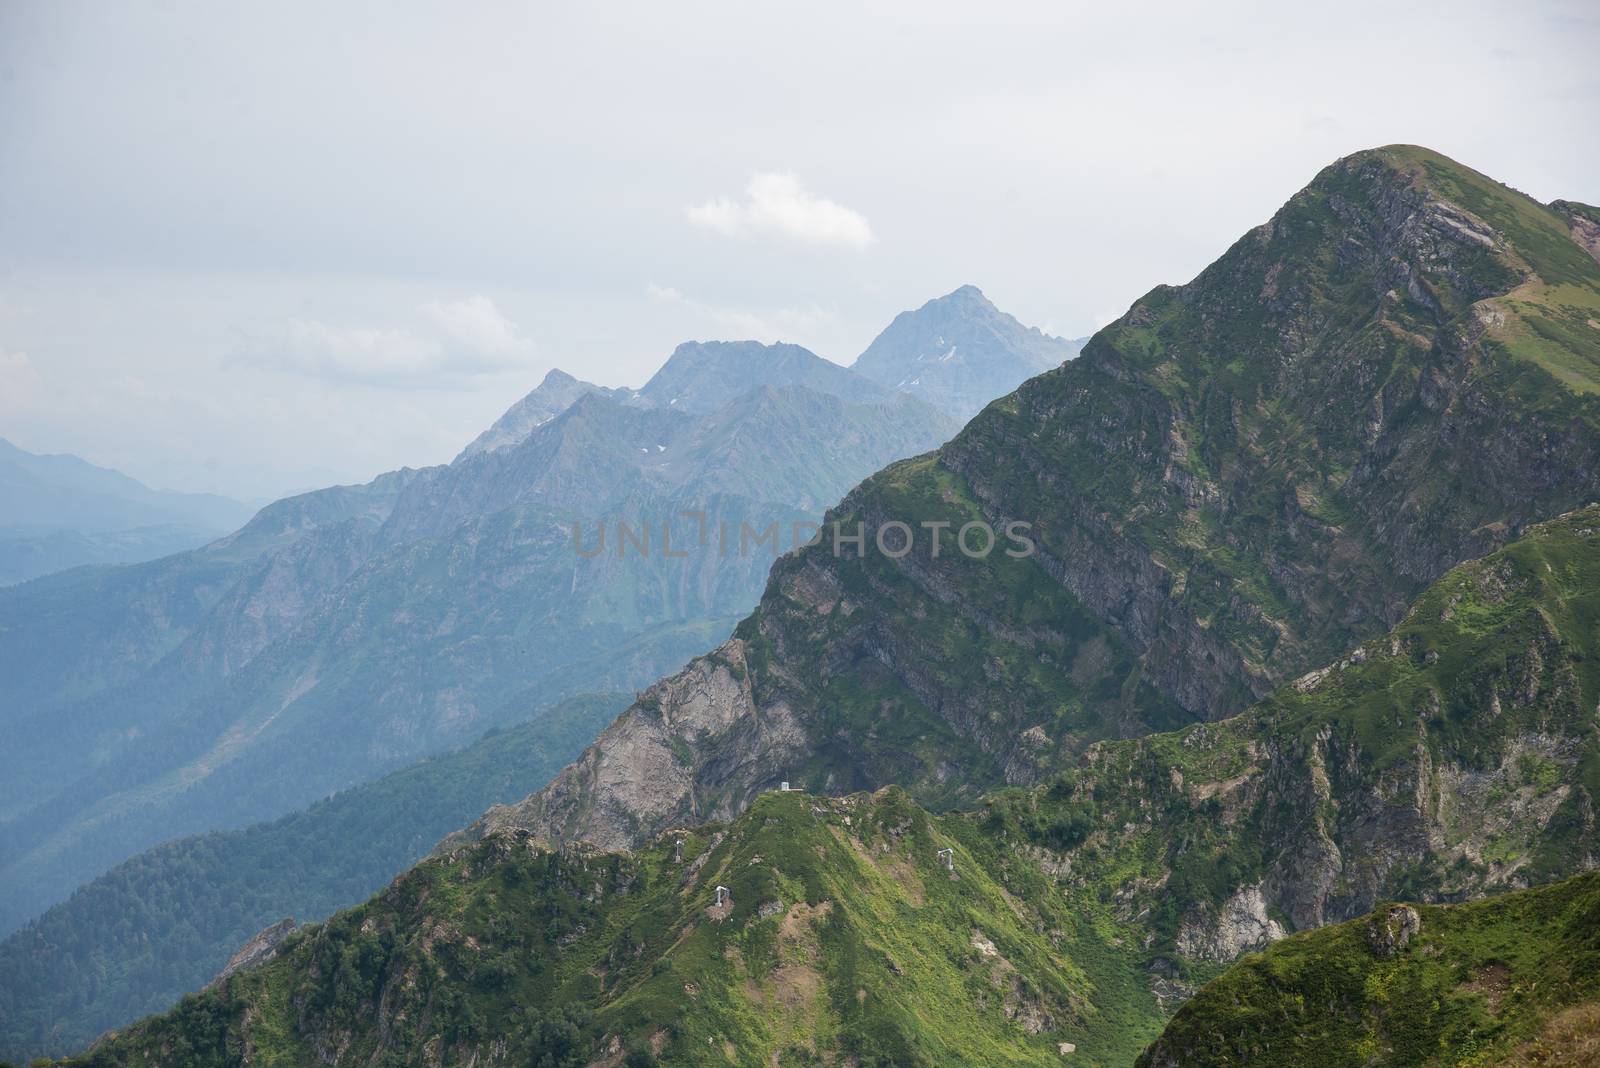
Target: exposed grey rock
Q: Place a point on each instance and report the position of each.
(415, 612)
(1390, 932)
(1241, 925)
(260, 949)
(642, 771)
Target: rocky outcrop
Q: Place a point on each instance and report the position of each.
(1241, 925)
(648, 767)
(1391, 930)
(1584, 219)
(554, 395)
(256, 952)
(1408, 985)
(833, 929)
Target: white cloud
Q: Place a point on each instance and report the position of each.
(16, 367)
(459, 338)
(19, 380)
(776, 203)
(477, 326)
(361, 353)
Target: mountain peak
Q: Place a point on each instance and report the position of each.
(701, 376)
(959, 352)
(1477, 241)
(968, 293)
(552, 396)
(703, 352)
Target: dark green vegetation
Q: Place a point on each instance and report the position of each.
(1244, 474)
(1236, 482)
(1511, 980)
(845, 941)
(165, 922)
(346, 633)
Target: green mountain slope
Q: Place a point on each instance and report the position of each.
(1511, 981)
(1233, 484)
(844, 939)
(165, 922)
(1457, 757)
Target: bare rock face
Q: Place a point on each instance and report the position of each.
(1241, 926)
(650, 768)
(260, 949)
(1389, 932)
(1584, 222)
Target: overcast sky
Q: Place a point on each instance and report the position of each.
(253, 248)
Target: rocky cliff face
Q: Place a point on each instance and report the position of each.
(635, 769)
(1234, 482)
(1454, 758)
(256, 952)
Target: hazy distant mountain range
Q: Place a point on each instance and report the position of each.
(60, 511)
(957, 352)
(342, 633)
